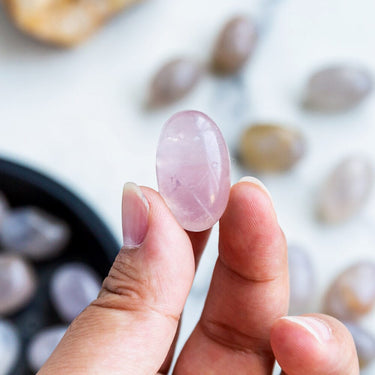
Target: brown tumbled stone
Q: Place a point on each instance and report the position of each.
(173, 81)
(271, 148)
(235, 45)
(352, 293)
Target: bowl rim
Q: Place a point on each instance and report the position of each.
(96, 226)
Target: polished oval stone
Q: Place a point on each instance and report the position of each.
(173, 81)
(235, 45)
(73, 287)
(271, 148)
(10, 346)
(4, 208)
(346, 189)
(17, 283)
(193, 170)
(352, 293)
(34, 233)
(42, 346)
(337, 88)
(364, 342)
(301, 280)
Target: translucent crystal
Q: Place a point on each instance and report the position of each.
(173, 81)
(346, 189)
(301, 279)
(271, 148)
(352, 293)
(10, 346)
(364, 342)
(337, 88)
(42, 346)
(4, 208)
(73, 287)
(193, 170)
(17, 283)
(34, 233)
(235, 45)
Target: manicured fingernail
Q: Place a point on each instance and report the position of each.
(257, 182)
(135, 210)
(317, 327)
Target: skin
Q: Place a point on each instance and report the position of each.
(131, 327)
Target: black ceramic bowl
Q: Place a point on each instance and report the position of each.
(91, 242)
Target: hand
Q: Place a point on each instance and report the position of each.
(131, 328)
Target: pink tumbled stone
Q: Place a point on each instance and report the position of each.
(193, 170)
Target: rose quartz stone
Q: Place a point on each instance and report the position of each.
(193, 170)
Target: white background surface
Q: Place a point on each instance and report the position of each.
(78, 114)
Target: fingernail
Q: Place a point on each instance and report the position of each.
(317, 327)
(135, 209)
(257, 182)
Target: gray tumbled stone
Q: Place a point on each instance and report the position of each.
(42, 345)
(17, 283)
(364, 342)
(173, 81)
(73, 287)
(339, 87)
(346, 189)
(10, 346)
(34, 233)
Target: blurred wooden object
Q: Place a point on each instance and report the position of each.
(63, 22)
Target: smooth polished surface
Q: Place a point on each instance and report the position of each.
(17, 283)
(271, 148)
(9, 347)
(193, 169)
(31, 232)
(173, 81)
(346, 190)
(338, 87)
(235, 45)
(352, 293)
(73, 287)
(42, 345)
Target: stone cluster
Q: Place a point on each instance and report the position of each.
(28, 236)
(234, 47)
